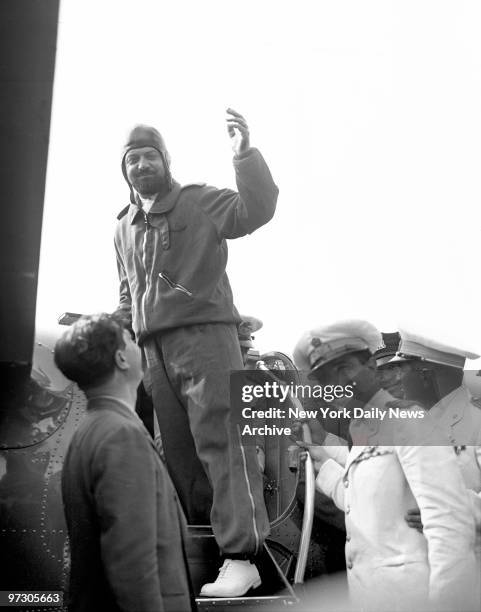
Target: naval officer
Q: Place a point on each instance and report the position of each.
(435, 372)
(390, 467)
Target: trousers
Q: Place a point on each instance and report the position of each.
(188, 376)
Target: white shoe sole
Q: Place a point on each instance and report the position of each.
(254, 585)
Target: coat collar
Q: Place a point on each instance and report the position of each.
(111, 403)
(160, 206)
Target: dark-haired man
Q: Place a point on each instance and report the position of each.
(171, 246)
(389, 377)
(125, 526)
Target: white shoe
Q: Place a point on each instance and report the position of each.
(234, 580)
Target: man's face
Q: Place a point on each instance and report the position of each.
(133, 357)
(412, 380)
(420, 383)
(340, 371)
(391, 378)
(145, 170)
(347, 370)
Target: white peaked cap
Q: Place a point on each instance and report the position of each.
(318, 346)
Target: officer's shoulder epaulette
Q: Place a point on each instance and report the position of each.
(476, 401)
(123, 212)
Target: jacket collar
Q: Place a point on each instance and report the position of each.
(160, 206)
(111, 403)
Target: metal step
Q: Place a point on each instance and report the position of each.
(204, 561)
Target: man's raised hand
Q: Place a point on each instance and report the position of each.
(238, 131)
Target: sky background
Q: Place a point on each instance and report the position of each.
(367, 112)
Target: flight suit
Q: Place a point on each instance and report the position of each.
(173, 283)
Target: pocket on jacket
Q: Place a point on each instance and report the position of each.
(178, 227)
(174, 285)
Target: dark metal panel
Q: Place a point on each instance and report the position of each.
(28, 33)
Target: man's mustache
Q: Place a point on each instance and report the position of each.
(142, 174)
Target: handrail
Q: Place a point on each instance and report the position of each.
(308, 516)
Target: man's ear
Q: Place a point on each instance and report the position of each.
(120, 360)
(371, 364)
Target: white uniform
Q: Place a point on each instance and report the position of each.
(461, 420)
(392, 467)
(390, 565)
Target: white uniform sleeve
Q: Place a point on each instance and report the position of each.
(475, 499)
(329, 482)
(436, 482)
(336, 448)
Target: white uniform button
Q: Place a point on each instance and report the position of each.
(348, 509)
(348, 538)
(349, 565)
(346, 483)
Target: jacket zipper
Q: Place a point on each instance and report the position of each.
(144, 316)
(173, 285)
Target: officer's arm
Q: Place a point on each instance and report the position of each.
(125, 300)
(337, 448)
(436, 482)
(475, 499)
(474, 496)
(126, 505)
(330, 474)
(329, 480)
(237, 214)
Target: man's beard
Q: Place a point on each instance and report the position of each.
(148, 184)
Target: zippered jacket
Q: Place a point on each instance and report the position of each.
(172, 260)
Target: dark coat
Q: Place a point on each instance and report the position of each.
(125, 525)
